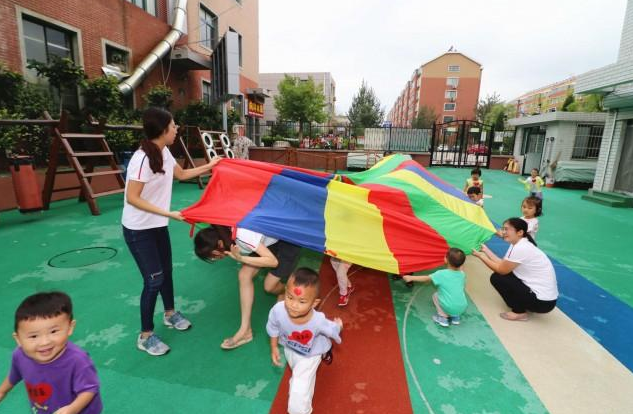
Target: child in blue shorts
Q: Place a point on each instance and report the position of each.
(450, 298)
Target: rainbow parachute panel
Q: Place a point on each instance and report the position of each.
(396, 217)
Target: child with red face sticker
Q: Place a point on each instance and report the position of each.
(305, 335)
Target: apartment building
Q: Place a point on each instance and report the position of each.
(449, 84)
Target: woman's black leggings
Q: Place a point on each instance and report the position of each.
(518, 296)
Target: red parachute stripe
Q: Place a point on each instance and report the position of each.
(398, 220)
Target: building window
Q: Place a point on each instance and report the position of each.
(451, 95)
(587, 143)
(453, 68)
(239, 43)
(117, 58)
(206, 92)
(448, 118)
(452, 82)
(147, 5)
(208, 28)
(449, 106)
(44, 42)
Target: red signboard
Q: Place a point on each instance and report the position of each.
(255, 109)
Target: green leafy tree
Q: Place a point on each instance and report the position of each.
(21, 100)
(365, 110)
(11, 83)
(569, 99)
(300, 101)
(159, 96)
(484, 106)
(425, 119)
(201, 114)
(62, 74)
(103, 98)
(496, 117)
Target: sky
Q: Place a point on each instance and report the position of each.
(522, 45)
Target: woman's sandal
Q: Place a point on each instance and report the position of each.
(230, 343)
(507, 317)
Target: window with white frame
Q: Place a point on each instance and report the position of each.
(208, 28)
(448, 118)
(239, 43)
(451, 95)
(147, 5)
(587, 142)
(449, 106)
(452, 82)
(206, 92)
(453, 68)
(44, 42)
(117, 57)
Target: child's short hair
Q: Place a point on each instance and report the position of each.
(473, 190)
(205, 242)
(304, 276)
(536, 203)
(475, 170)
(535, 169)
(43, 305)
(455, 257)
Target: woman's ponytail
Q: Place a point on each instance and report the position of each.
(155, 123)
(154, 155)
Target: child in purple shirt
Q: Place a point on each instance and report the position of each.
(60, 377)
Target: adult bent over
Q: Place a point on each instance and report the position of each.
(525, 277)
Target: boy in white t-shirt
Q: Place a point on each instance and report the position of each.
(305, 335)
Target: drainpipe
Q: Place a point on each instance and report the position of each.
(159, 51)
(604, 174)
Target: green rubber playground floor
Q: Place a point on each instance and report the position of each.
(455, 371)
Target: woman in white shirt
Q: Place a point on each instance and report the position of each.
(146, 214)
(525, 277)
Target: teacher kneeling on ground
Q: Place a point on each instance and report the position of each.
(525, 277)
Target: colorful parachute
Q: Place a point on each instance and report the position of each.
(396, 217)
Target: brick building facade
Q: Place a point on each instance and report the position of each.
(118, 34)
(449, 84)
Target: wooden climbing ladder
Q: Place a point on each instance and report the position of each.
(82, 162)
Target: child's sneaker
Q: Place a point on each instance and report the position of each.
(343, 300)
(327, 357)
(455, 320)
(440, 320)
(152, 345)
(177, 321)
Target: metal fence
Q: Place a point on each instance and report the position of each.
(396, 139)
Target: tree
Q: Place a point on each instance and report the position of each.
(365, 110)
(62, 74)
(300, 101)
(485, 106)
(569, 99)
(425, 119)
(103, 98)
(496, 117)
(159, 96)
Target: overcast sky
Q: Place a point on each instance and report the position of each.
(522, 45)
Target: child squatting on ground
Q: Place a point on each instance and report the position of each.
(60, 377)
(305, 335)
(475, 195)
(450, 299)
